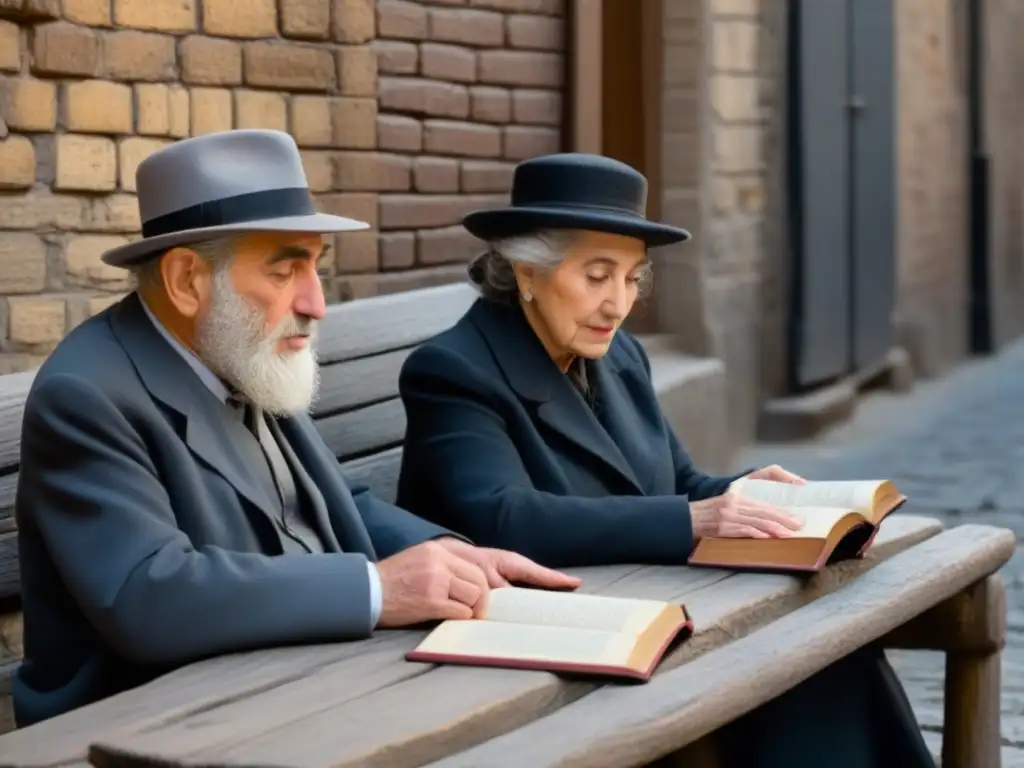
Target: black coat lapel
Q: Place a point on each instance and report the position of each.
(626, 424)
(212, 431)
(535, 377)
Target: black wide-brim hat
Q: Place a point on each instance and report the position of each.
(575, 190)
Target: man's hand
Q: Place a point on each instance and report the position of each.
(778, 474)
(501, 566)
(428, 582)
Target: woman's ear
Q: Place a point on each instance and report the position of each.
(524, 277)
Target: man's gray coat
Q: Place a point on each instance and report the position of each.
(141, 527)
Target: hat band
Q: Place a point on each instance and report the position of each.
(237, 209)
(560, 205)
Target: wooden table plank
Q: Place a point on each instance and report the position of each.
(205, 685)
(633, 725)
(426, 716)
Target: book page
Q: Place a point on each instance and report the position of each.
(818, 521)
(530, 643)
(538, 607)
(849, 494)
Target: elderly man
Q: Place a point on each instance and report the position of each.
(175, 500)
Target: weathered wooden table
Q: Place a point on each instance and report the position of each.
(361, 704)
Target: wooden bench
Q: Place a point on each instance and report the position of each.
(362, 347)
(361, 704)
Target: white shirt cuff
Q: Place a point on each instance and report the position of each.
(376, 596)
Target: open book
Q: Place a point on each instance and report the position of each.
(840, 521)
(560, 632)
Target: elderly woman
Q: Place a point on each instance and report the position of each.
(533, 426)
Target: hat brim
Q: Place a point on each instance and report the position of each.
(498, 223)
(140, 251)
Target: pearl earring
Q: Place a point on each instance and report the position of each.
(527, 297)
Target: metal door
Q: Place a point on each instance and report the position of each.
(843, 200)
(819, 200)
(873, 180)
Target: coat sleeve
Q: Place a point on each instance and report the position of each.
(89, 487)
(461, 467)
(690, 481)
(393, 529)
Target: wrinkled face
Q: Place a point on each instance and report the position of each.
(255, 316)
(578, 306)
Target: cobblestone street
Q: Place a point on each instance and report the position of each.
(956, 448)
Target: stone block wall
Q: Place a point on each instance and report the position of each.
(678, 269)
(88, 88)
(1003, 112)
(932, 163)
(722, 83)
(466, 89)
(746, 81)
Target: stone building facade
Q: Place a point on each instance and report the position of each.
(722, 170)
(88, 88)
(409, 113)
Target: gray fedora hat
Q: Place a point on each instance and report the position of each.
(222, 184)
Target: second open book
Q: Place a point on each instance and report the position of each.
(840, 520)
(560, 632)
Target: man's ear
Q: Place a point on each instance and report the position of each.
(187, 280)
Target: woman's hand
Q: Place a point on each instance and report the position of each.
(778, 474)
(734, 517)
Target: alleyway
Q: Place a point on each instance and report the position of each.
(956, 448)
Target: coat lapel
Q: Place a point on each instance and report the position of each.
(212, 430)
(321, 470)
(625, 423)
(317, 503)
(535, 378)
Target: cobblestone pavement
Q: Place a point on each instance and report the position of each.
(956, 448)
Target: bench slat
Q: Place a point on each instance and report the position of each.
(10, 576)
(317, 721)
(358, 382)
(673, 710)
(14, 389)
(352, 434)
(8, 487)
(379, 472)
(385, 323)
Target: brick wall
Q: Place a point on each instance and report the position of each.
(88, 88)
(466, 89)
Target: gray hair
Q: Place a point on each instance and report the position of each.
(493, 274)
(492, 271)
(217, 253)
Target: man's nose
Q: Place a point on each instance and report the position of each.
(310, 300)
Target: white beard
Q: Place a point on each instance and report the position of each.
(232, 339)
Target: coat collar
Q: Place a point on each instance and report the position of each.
(213, 430)
(535, 378)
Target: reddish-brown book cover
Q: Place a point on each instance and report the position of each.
(567, 633)
(681, 634)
